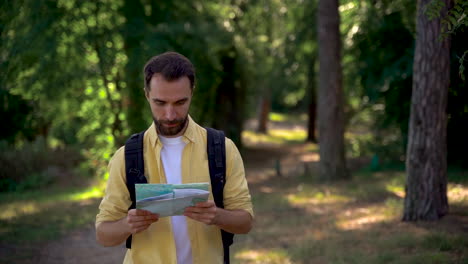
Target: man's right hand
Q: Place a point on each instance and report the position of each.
(113, 233)
(138, 220)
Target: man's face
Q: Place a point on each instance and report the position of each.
(170, 103)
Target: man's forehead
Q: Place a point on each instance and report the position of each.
(161, 89)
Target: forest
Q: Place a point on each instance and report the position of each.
(335, 105)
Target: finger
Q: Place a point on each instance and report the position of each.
(135, 219)
(198, 211)
(139, 212)
(205, 204)
(142, 224)
(140, 229)
(206, 218)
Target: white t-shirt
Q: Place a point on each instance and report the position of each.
(171, 156)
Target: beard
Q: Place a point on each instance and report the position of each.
(163, 130)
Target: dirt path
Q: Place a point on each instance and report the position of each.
(80, 246)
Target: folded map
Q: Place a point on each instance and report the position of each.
(170, 199)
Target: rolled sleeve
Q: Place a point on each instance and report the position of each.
(116, 201)
(236, 190)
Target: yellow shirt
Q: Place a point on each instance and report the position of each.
(156, 244)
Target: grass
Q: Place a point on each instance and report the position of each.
(30, 219)
(46, 214)
(299, 220)
(275, 136)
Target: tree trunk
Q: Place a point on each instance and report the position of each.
(263, 111)
(330, 96)
(426, 161)
(312, 108)
(230, 97)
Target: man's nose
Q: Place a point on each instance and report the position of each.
(170, 113)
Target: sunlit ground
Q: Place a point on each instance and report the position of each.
(42, 200)
(47, 214)
(300, 221)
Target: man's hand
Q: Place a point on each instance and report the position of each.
(139, 220)
(234, 221)
(112, 233)
(205, 212)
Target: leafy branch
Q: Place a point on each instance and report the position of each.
(455, 20)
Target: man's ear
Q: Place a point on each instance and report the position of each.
(146, 93)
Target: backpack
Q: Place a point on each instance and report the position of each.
(216, 150)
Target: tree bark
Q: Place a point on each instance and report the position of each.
(330, 96)
(426, 161)
(263, 111)
(230, 97)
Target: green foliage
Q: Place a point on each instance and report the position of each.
(383, 66)
(433, 9)
(72, 70)
(453, 21)
(456, 19)
(461, 69)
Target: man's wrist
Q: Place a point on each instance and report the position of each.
(217, 221)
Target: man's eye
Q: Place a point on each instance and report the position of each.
(158, 103)
(180, 103)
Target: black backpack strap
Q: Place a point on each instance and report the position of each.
(216, 150)
(134, 168)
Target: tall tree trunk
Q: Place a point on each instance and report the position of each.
(263, 111)
(330, 96)
(230, 97)
(312, 108)
(426, 162)
(266, 74)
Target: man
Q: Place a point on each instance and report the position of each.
(174, 152)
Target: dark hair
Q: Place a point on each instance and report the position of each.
(171, 65)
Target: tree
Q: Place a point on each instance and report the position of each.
(330, 96)
(426, 161)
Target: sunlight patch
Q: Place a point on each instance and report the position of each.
(361, 222)
(359, 218)
(316, 198)
(15, 209)
(396, 189)
(23, 208)
(93, 192)
(275, 136)
(289, 135)
(310, 157)
(457, 193)
(273, 256)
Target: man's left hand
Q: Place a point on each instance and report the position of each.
(205, 212)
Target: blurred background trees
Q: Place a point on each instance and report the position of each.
(330, 93)
(71, 72)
